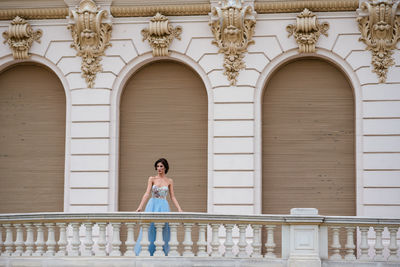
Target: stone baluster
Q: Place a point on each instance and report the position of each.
(102, 242)
(88, 243)
(116, 240)
(256, 241)
(187, 241)
(202, 243)
(19, 240)
(228, 241)
(76, 242)
(270, 244)
(242, 241)
(29, 243)
(130, 239)
(62, 241)
(393, 247)
(51, 240)
(215, 240)
(39, 240)
(173, 242)
(364, 247)
(159, 242)
(144, 243)
(1, 238)
(350, 247)
(8, 243)
(335, 243)
(378, 243)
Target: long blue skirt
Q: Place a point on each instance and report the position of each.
(155, 205)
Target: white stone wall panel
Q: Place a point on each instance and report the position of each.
(342, 47)
(385, 109)
(90, 113)
(248, 77)
(233, 179)
(234, 209)
(233, 196)
(70, 65)
(382, 179)
(233, 162)
(88, 179)
(217, 78)
(90, 96)
(268, 45)
(382, 161)
(89, 163)
(236, 128)
(234, 111)
(234, 94)
(89, 196)
(256, 61)
(382, 196)
(381, 91)
(76, 81)
(94, 130)
(381, 126)
(212, 62)
(359, 59)
(90, 146)
(112, 64)
(197, 47)
(233, 145)
(123, 48)
(53, 51)
(382, 144)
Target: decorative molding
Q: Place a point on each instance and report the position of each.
(20, 37)
(160, 34)
(90, 37)
(380, 31)
(186, 9)
(167, 10)
(34, 13)
(307, 30)
(298, 6)
(233, 27)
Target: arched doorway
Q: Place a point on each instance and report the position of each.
(308, 124)
(163, 113)
(32, 139)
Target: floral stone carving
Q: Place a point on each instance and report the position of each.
(233, 27)
(91, 37)
(307, 30)
(160, 34)
(380, 31)
(20, 37)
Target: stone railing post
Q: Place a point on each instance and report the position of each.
(304, 239)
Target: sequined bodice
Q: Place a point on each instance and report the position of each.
(159, 192)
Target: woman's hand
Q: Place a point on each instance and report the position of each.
(180, 210)
(139, 209)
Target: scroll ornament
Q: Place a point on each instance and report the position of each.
(233, 27)
(160, 34)
(307, 30)
(90, 37)
(20, 37)
(380, 31)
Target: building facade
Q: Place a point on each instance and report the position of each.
(259, 106)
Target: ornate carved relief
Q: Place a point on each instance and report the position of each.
(233, 29)
(380, 31)
(307, 30)
(91, 37)
(160, 34)
(20, 37)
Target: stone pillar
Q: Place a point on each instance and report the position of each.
(304, 239)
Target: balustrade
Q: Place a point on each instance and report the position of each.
(78, 238)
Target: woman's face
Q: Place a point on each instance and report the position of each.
(160, 168)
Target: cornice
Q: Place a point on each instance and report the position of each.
(185, 9)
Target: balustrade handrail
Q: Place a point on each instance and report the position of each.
(194, 217)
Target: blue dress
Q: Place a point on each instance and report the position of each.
(157, 203)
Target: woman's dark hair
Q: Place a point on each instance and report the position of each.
(164, 162)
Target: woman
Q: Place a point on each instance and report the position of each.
(158, 187)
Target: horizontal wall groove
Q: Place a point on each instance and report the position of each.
(381, 135)
(94, 205)
(386, 170)
(381, 187)
(90, 138)
(82, 171)
(230, 103)
(91, 154)
(230, 170)
(381, 118)
(233, 153)
(233, 187)
(90, 121)
(381, 205)
(235, 204)
(91, 105)
(100, 187)
(230, 136)
(233, 119)
(383, 100)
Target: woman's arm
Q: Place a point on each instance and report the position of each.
(146, 194)
(171, 191)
